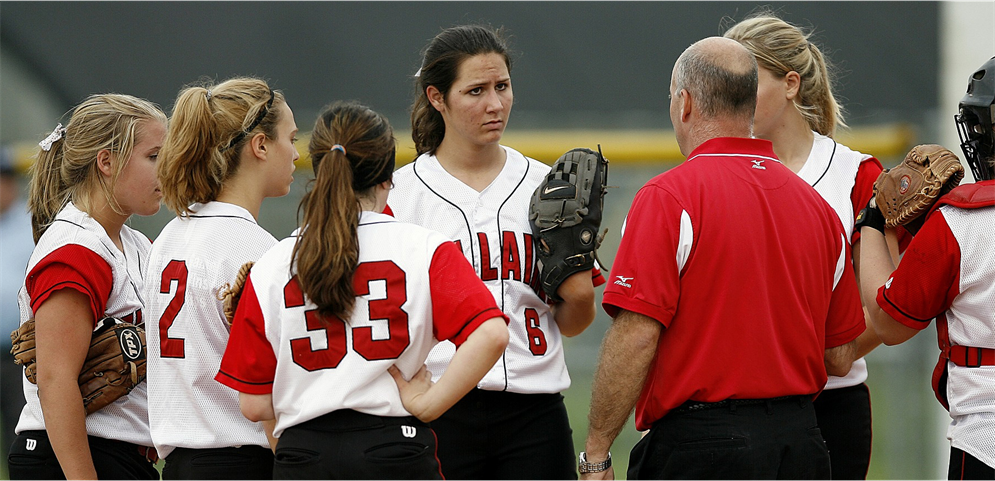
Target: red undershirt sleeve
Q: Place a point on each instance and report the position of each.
(72, 267)
(863, 189)
(460, 300)
(249, 363)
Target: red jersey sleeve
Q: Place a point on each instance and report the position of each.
(249, 364)
(72, 267)
(647, 281)
(460, 300)
(927, 279)
(846, 314)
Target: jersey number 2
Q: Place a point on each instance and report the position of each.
(388, 308)
(174, 271)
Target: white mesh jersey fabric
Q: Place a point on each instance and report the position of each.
(199, 255)
(492, 227)
(354, 382)
(831, 169)
(127, 418)
(971, 322)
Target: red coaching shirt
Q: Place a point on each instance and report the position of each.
(747, 268)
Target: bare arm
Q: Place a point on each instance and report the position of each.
(427, 401)
(876, 266)
(257, 407)
(63, 328)
(869, 340)
(626, 354)
(269, 426)
(577, 310)
(839, 359)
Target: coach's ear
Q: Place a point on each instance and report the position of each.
(257, 145)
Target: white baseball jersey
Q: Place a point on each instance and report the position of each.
(412, 288)
(192, 259)
(948, 272)
(76, 253)
(493, 231)
(832, 169)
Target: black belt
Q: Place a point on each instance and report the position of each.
(691, 406)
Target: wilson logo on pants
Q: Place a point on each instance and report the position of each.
(408, 431)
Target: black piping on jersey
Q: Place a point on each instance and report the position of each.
(504, 363)
(831, 156)
(469, 232)
(470, 321)
(195, 216)
(899, 309)
(244, 382)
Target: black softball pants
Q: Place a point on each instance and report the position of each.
(32, 457)
(505, 435)
(776, 439)
(245, 462)
(844, 416)
(347, 444)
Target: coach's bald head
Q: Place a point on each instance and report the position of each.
(714, 87)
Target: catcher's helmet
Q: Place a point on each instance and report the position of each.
(975, 120)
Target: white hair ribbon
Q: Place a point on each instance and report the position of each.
(52, 138)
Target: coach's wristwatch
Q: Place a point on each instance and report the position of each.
(585, 467)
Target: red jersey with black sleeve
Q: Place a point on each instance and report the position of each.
(76, 253)
(747, 268)
(409, 296)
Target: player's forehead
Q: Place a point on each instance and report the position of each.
(482, 68)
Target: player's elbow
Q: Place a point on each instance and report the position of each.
(256, 407)
(495, 333)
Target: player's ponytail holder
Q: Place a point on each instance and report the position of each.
(55, 136)
(337, 147)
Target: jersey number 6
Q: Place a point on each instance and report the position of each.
(388, 308)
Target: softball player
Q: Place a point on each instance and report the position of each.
(948, 273)
(475, 191)
(229, 146)
(332, 317)
(89, 178)
(797, 111)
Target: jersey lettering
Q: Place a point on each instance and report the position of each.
(174, 271)
(514, 265)
(334, 329)
(537, 339)
(510, 266)
(487, 272)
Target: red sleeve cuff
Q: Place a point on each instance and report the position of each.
(244, 386)
(613, 302)
(474, 323)
(898, 314)
(846, 336)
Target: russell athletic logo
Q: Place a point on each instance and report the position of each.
(623, 281)
(408, 431)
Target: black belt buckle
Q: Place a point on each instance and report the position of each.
(967, 357)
